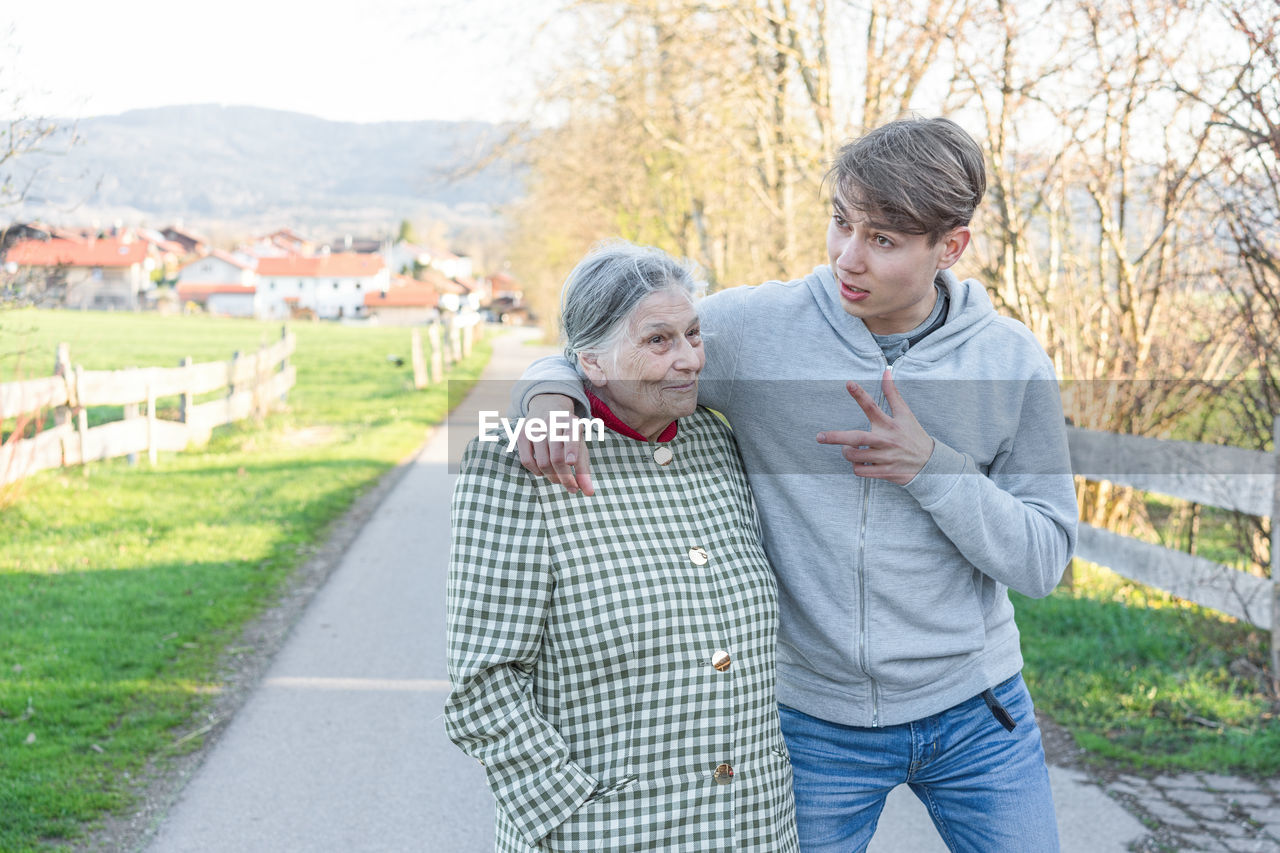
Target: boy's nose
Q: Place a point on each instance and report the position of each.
(850, 257)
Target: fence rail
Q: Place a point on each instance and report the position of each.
(252, 382)
(1231, 478)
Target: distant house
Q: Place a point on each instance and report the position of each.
(361, 245)
(405, 302)
(506, 299)
(453, 296)
(219, 267)
(224, 300)
(103, 273)
(408, 256)
(222, 282)
(333, 286)
(282, 243)
(168, 253)
(191, 243)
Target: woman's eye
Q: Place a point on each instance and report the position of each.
(656, 339)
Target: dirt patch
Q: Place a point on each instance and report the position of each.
(241, 669)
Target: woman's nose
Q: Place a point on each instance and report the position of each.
(686, 356)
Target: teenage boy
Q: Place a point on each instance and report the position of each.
(898, 656)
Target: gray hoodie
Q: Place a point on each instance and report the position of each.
(893, 599)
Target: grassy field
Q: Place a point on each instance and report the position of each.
(121, 586)
(1145, 681)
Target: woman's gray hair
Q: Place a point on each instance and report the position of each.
(601, 294)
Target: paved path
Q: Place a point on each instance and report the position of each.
(342, 747)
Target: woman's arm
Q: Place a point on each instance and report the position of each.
(499, 599)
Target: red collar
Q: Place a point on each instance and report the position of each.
(613, 422)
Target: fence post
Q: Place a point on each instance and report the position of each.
(260, 384)
(232, 366)
(185, 401)
(62, 367)
(82, 416)
(467, 332)
(436, 371)
(419, 363)
(131, 412)
(284, 364)
(1275, 561)
(151, 423)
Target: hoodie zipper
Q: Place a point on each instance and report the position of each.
(864, 656)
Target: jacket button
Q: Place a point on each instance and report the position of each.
(723, 774)
(663, 456)
(698, 556)
(720, 659)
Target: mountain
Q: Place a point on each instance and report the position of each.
(215, 164)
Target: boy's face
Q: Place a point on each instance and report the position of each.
(885, 278)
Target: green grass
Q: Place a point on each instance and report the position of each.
(121, 586)
(1146, 681)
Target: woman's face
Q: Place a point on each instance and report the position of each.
(651, 377)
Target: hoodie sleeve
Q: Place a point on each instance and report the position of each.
(721, 315)
(1017, 523)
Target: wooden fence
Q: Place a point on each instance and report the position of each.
(1231, 478)
(252, 383)
(447, 344)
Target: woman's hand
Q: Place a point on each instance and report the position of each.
(560, 460)
(895, 449)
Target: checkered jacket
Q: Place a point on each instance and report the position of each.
(580, 637)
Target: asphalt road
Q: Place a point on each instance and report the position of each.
(342, 745)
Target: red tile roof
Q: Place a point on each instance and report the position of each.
(231, 259)
(442, 284)
(403, 293)
(201, 292)
(107, 252)
(338, 265)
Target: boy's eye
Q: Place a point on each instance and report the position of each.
(882, 240)
(840, 221)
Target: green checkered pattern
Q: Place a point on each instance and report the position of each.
(580, 642)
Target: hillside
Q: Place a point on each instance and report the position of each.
(215, 164)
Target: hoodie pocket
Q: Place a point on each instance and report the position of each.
(920, 632)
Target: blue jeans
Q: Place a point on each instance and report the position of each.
(986, 788)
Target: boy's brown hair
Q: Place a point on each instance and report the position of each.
(914, 176)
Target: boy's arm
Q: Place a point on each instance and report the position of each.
(1017, 524)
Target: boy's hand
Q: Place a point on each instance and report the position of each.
(562, 461)
(895, 449)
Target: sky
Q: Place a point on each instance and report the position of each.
(374, 60)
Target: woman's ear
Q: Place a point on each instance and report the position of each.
(590, 362)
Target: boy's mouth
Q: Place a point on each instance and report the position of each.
(851, 293)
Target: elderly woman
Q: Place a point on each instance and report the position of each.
(613, 659)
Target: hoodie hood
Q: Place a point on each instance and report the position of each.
(970, 311)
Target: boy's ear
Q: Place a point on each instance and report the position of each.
(591, 367)
(953, 245)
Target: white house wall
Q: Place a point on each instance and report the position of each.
(211, 270)
(330, 297)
